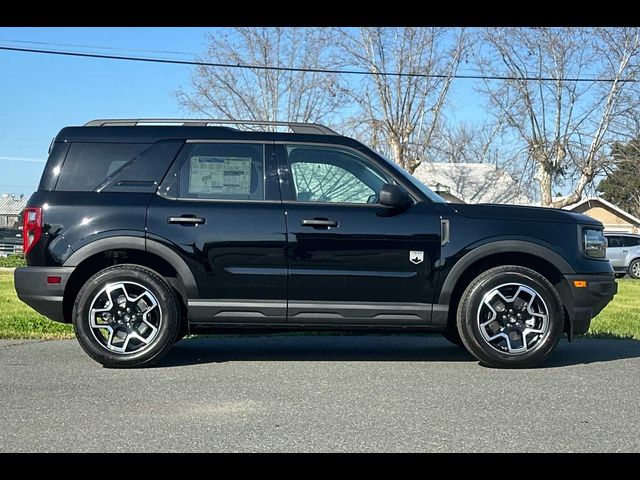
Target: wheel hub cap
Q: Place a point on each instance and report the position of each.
(125, 317)
(513, 318)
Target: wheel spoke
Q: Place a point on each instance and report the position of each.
(128, 314)
(513, 318)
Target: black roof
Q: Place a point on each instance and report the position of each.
(146, 134)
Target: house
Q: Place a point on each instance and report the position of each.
(471, 183)
(10, 210)
(613, 218)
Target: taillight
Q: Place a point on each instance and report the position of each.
(32, 228)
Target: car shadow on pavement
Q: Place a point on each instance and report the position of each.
(592, 350)
(314, 347)
(373, 348)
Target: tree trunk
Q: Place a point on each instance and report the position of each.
(546, 187)
(398, 152)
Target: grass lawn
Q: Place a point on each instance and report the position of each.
(12, 261)
(621, 318)
(17, 320)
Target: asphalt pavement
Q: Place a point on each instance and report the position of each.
(319, 393)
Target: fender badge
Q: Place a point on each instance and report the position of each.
(416, 256)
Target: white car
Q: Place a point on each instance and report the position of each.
(623, 251)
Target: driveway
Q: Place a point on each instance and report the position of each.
(319, 393)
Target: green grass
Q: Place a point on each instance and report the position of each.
(12, 261)
(621, 318)
(17, 320)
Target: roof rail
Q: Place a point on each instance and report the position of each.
(296, 127)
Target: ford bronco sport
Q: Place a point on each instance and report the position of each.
(142, 231)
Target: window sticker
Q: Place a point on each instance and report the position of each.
(222, 175)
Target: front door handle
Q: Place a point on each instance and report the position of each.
(186, 220)
(319, 223)
(625, 251)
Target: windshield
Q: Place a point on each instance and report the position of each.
(430, 194)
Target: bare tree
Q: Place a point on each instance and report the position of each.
(466, 142)
(400, 114)
(566, 126)
(262, 94)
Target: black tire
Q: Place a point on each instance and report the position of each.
(469, 323)
(167, 312)
(634, 269)
(453, 336)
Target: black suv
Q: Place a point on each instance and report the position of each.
(142, 231)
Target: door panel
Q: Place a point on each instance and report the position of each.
(630, 250)
(366, 258)
(349, 257)
(235, 248)
(615, 255)
(615, 251)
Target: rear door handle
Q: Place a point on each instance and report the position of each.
(319, 223)
(186, 220)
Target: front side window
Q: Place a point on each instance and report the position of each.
(333, 175)
(224, 171)
(614, 241)
(631, 241)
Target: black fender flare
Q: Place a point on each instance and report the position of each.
(142, 244)
(501, 246)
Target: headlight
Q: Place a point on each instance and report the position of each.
(594, 243)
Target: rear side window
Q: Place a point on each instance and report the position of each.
(223, 171)
(88, 165)
(630, 241)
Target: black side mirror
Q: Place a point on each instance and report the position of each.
(394, 196)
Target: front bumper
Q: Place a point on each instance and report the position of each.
(589, 301)
(32, 288)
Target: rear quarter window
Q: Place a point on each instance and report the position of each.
(88, 165)
(631, 241)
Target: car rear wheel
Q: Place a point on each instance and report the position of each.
(634, 269)
(510, 317)
(126, 316)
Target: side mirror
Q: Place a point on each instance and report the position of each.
(394, 196)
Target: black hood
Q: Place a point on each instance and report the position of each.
(522, 213)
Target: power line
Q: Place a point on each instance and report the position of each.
(304, 70)
(98, 47)
(122, 49)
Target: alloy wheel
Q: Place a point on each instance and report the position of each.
(125, 317)
(513, 318)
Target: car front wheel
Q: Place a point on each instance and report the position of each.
(510, 317)
(126, 316)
